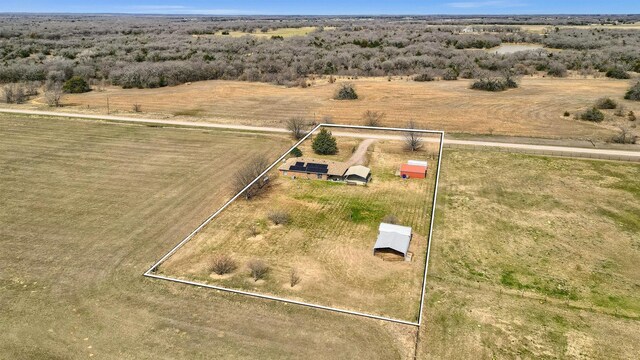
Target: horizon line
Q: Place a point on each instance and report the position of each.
(310, 15)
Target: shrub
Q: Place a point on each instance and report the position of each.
(76, 85)
(624, 137)
(258, 268)
(450, 74)
(633, 93)
(14, 94)
(372, 118)
(137, 108)
(424, 77)
(606, 103)
(223, 264)
(294, 277)
(325, 143)
(495, 84)
(557, 70)
(617, 73)
(279, 217)
(390, 219)
(566, 114)
(346, 92)
(592, 114)
(296, 152)
(631, 116)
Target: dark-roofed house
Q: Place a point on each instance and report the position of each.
(313, 169)
(393, 242)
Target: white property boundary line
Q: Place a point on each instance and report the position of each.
(152, 269)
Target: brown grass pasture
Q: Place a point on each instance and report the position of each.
(87, 207)
(541, 29)
(534, 257)
(535, 109)
(329, 239)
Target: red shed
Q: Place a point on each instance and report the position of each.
(413, 171)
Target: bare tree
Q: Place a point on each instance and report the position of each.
(249, 172)
(412, 140)
(19, 95)
(624, 137)
(294, 277)
(373, 118)
(258, 268)
(223, 264)
(298, 127)
(31, 88)
(137, 108)
(8, 91)
(53, 94)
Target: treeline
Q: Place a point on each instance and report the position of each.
(162, 51)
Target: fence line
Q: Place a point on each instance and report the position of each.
(153, 268)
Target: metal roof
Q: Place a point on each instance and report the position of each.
(417, 162)
(413, 168)
(394, 237)
(358, 170)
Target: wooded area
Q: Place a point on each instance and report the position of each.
(152, 51)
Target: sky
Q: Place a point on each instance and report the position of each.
(324, 7)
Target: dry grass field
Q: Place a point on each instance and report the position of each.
(534, 257)
(541, 29)
(87, 207)
(535, 109)
(328, 240)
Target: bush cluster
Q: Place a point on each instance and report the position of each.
(617, 73)
(633, 93)
(346, 92)
(592, 114)
(76, 85)
(606, 104)
(223, 264)
(424, 77)
(494, 84)
(279, 217)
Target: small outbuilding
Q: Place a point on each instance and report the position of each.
(414, 169)
(358, 174)
(393, 242)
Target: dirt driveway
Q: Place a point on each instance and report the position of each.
(359, 156)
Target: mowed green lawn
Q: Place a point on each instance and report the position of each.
(87, 207)
(535, 258)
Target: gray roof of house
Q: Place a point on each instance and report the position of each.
(394, 237)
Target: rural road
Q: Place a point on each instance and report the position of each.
(543, 149)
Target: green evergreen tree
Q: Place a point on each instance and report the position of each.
(296, 152)
(325, 143)
(76, 85)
